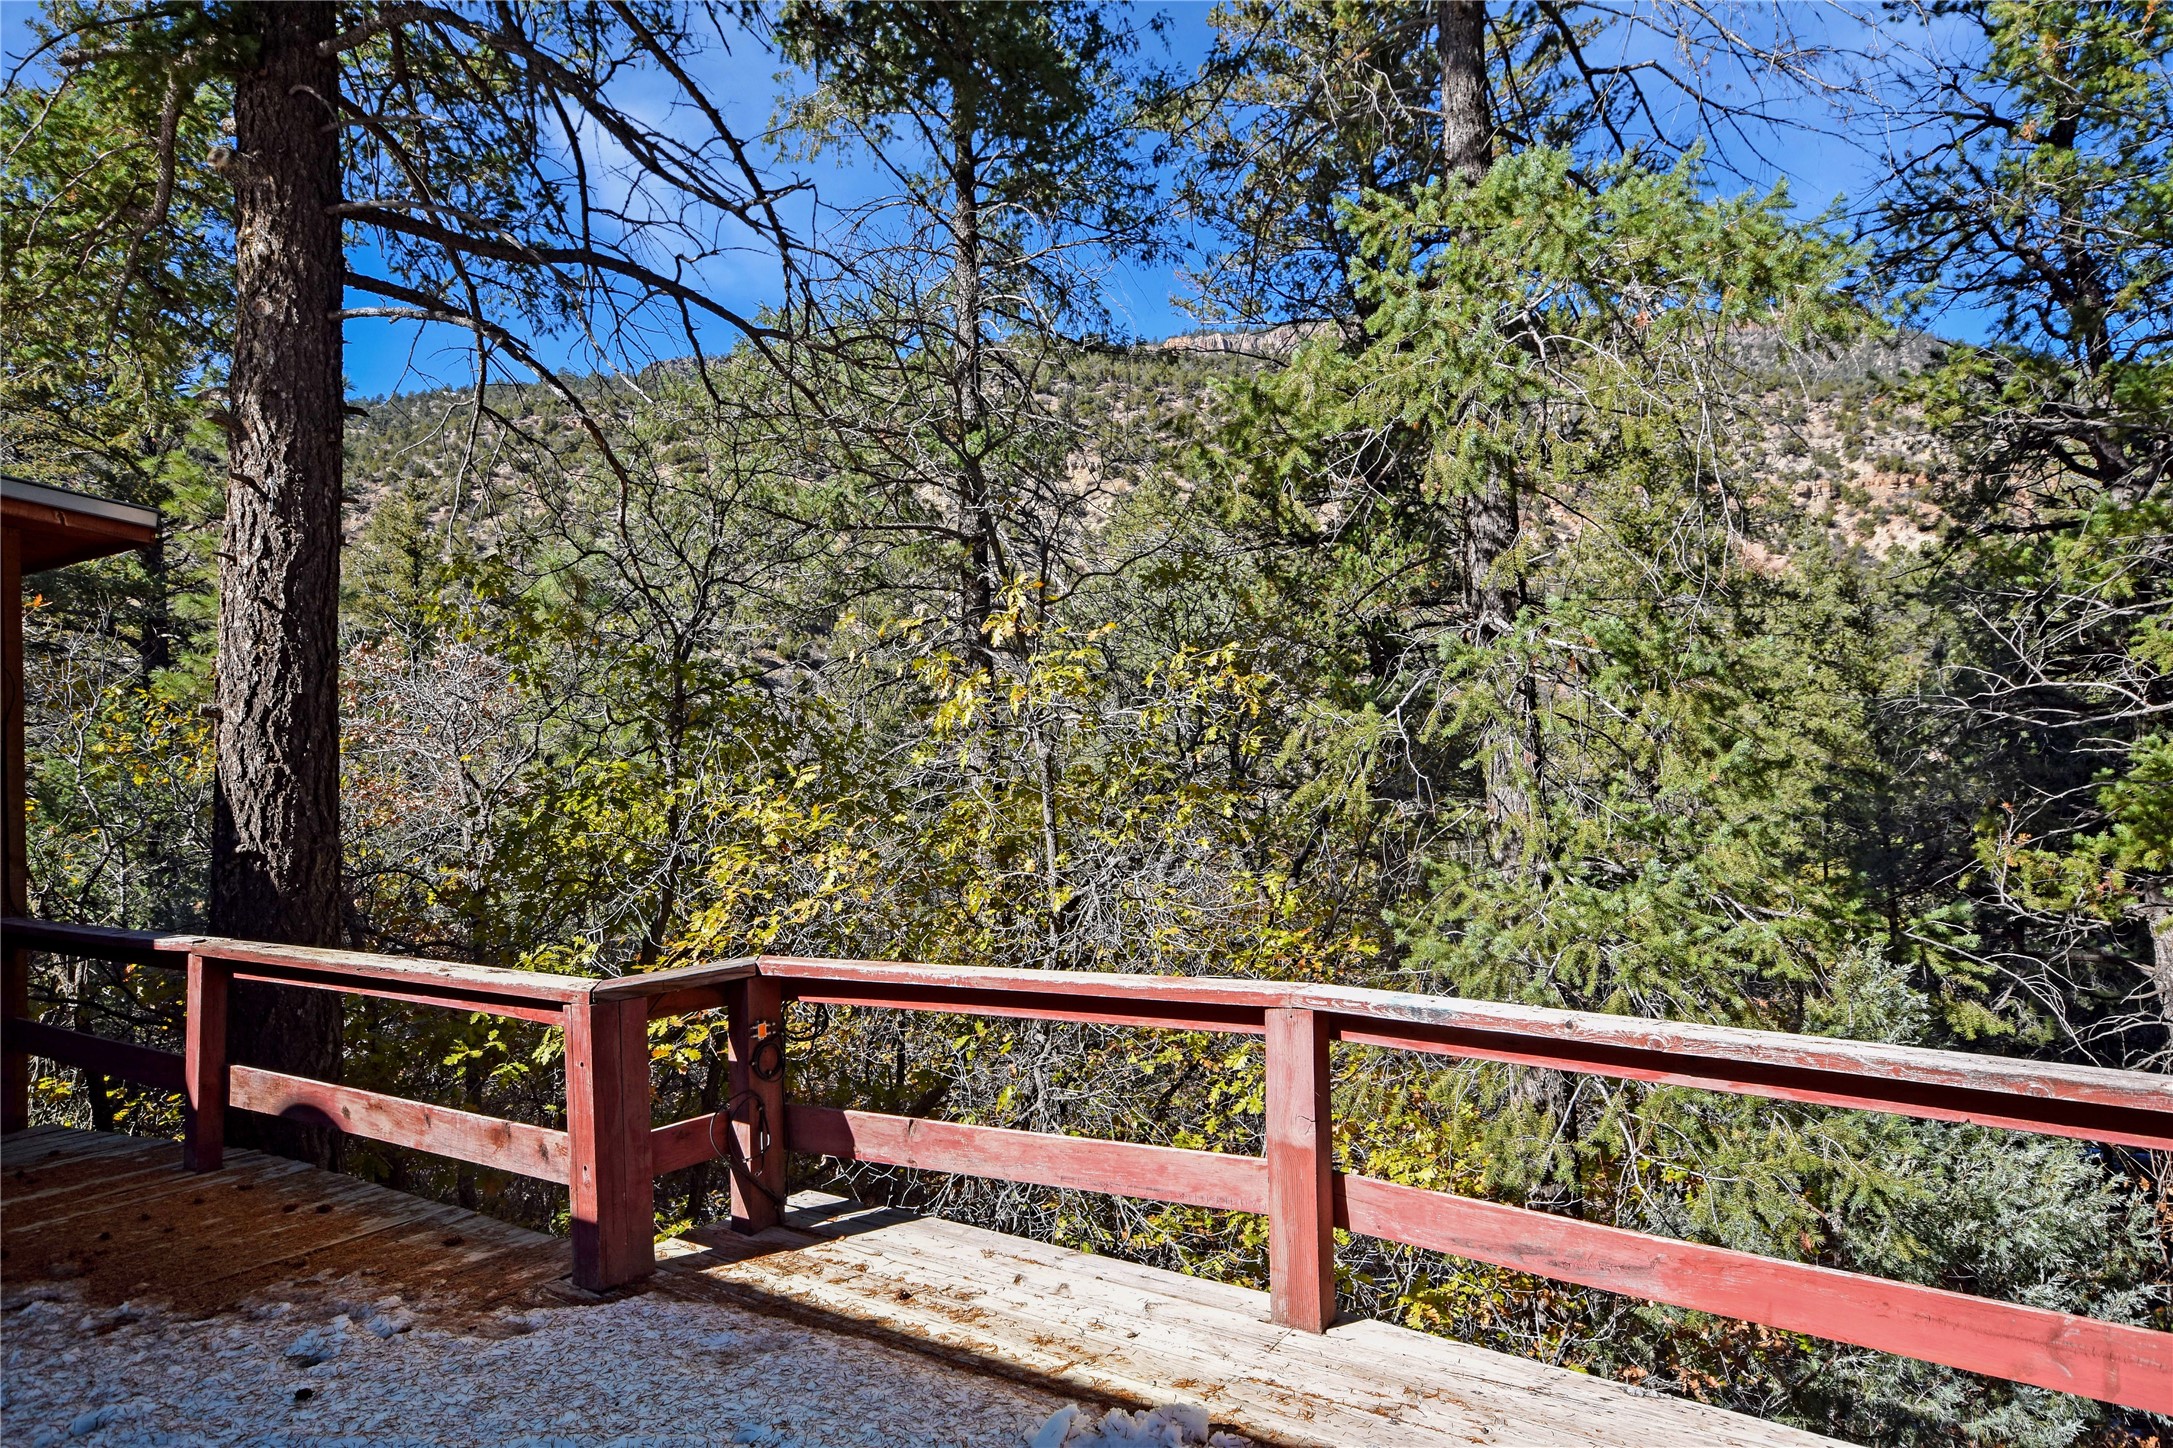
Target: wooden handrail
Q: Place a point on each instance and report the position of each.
(303, 965)
(2095, 1103)
(610, 1150)
(602, 1157)
(1304, 1196)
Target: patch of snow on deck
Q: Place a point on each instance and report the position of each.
(314, 1365)
(1173, 1425)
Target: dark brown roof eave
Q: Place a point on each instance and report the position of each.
(56, 527)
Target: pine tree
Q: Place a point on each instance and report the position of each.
(2039, 190)
(345, 128)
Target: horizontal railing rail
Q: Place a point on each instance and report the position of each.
(611, 1151)
(602, 1156)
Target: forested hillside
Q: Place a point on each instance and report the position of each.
(1560, 573)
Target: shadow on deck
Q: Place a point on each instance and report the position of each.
(313, 1305)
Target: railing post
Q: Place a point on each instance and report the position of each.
(14, 1064)
(758, 1103)
(204, 1066)
(607, 1125)
(1301, 1181)
(14, 832)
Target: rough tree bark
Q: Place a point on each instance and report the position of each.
(977, 585)
(1467, 127)
(276, 829)
(1494, 589)
(2155, 910)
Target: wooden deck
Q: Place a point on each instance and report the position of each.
(1010, 1326)
(117, 1219)
(1118, 1330)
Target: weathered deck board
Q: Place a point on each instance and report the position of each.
(117, 1220)
(143, 1303)
(1117, 1329)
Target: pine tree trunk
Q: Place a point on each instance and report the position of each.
(2155, 910)
(1494, 589)
(1467, 127)
(977, 582)
(275, 854)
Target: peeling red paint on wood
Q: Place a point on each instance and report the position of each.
(686, 1002)
(756, 1111)
(666, 982)
(487, 1141)
(2057, 1100)
(2116, 1363)
(1100, 985)
(686, 1143)
(422, 992)
(1079, 1163)
(612, 1186)
(297, 964)
(204, 1067)
(1301, 1224)
(1083, 1006)
(146, 1064)
(98, 942)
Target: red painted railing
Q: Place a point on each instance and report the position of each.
(610, 1152)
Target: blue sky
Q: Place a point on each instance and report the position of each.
(383, 356)
(388, 356)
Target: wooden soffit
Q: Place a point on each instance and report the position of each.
(54, 526)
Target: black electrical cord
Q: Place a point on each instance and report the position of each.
(735, 1157)
(767, 1056)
